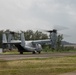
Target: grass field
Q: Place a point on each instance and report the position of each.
(38, 66)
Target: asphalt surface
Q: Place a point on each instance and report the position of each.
(42, 55)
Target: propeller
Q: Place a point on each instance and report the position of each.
(50, 31)
(59, 28)
(55, 29)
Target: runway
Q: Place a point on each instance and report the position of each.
(27, 56)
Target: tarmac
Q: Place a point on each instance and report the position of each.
(42, 55)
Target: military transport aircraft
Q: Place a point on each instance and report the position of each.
(33, 46)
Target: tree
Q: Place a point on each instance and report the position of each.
(39, 35)
(29, 35)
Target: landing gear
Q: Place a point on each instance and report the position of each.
(34, 52)
(21, 52)
(39, 52)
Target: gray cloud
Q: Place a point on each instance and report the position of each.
(28, 14)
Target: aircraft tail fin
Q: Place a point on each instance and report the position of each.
(4, 39)
(22, 39)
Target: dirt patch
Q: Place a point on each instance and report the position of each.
(70, 73)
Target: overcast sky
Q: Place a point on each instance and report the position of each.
(43, 14)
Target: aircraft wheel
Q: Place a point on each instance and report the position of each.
(39, 52)
(33, 52)
(21, 52)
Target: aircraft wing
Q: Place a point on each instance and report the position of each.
(47, 41)
(14, 42)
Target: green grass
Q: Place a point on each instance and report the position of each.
(38, 66)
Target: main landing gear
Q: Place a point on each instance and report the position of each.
(21, 52)
(35, 52)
